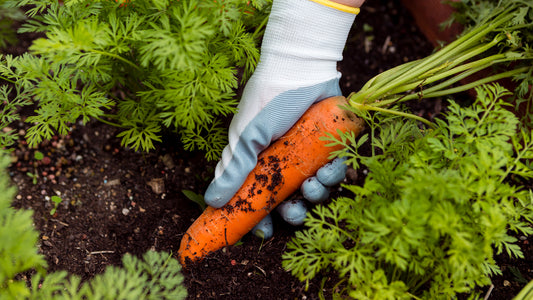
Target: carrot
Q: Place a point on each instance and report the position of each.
(280, 171)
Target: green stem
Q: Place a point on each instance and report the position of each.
(516, 160)
(340, 229)
(7, 79)
(116, 57)
(435, 92)
(390, 74)
(445, 64)
(259, 28)
(441, 59)
(370, 107)
(420, 283)
(439, 90)
(475, 66)
(108, 122)
(413, 296)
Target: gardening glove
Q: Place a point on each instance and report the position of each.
(302, 43)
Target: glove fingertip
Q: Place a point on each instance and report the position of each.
(264, 229)
(332, 173)
(293, 212)
(215, 197)
(314, 191)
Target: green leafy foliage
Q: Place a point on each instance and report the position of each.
(56, 200)
(196, 198)
(18, 241)
(8, 114)
(435, 208)
(144, 66)
(155, 276)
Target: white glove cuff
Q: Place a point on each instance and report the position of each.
(304, 34)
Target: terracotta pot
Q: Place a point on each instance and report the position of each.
(429, 15)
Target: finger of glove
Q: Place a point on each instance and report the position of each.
(265, 228)
(314, 191)
(293, 211)
(276, 118)
(333, 172)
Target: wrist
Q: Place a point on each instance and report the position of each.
(348, 6)
(352, 3)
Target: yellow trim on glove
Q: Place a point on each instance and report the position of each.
(341, 7)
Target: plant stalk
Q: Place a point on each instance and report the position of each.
(421, 72)
(7, 79)
(116, 57)
(370, 107)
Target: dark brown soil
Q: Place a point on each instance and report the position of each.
(116, 201)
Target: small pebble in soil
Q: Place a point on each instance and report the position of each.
(125, 211)
(168, 161)
(46, 160)
(506, 283)
(157, 185)
(112, 182)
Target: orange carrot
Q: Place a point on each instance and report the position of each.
(280, 171)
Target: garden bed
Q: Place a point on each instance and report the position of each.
(117, 201)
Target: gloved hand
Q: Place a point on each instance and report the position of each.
(303, 41)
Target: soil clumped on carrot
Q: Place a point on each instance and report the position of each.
(275, 176)
(244, 205)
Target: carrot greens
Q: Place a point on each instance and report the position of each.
(434, 209)
(145, 66)
(437, 204)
